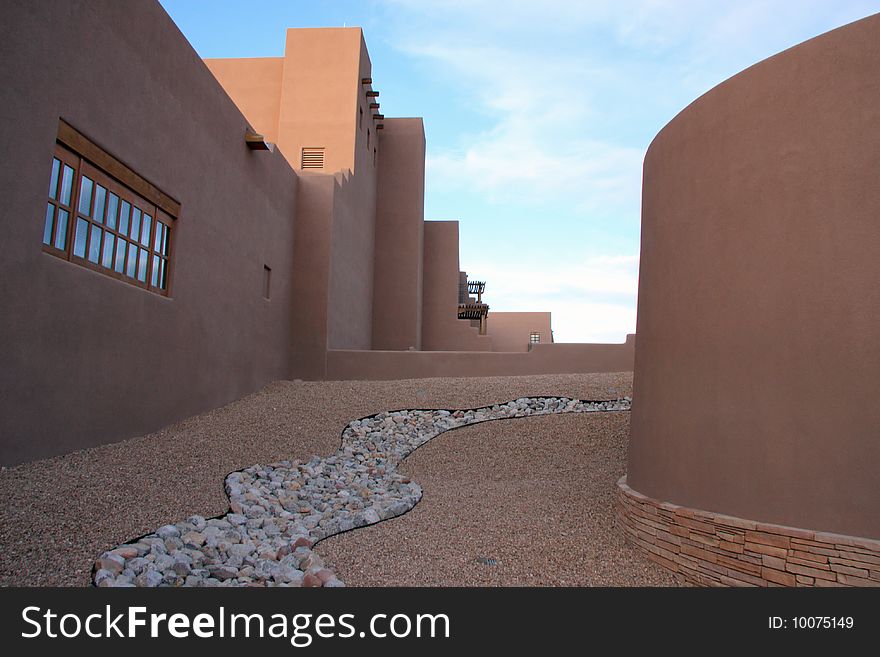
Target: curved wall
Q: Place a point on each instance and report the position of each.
(757, 365)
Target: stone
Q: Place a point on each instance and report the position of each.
(149, 578)
(312, 580)
(126, 552)
(241, 550)
(278, 511)
(223, 572)
(168, 531)
(198, 522)
(164, 562)
(288, 575)
(182, 568)
(111, 563)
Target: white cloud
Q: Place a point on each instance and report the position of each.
(572, 92)
(591, 301)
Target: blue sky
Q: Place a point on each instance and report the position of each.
(537, 115)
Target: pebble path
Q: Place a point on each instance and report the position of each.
(279, 511)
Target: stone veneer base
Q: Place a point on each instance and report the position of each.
(712, 549)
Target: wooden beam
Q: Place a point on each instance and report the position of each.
(82, 145)
(256, 142)
(366, 80)
(372, 94)
(378, 117)
(374, 105)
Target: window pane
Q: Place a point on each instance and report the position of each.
(135, 223)
(85, 196)
(47, 228)
(95, 244)
(157, 243)
(66, 185)
(124, 210)
(145, 230)
(163, 274)
(166, 237)
(119, 265)
(107, 256)
(112, 208)
(61, 230)
(98, 212)
(79, 241)
(142, 265)
(53, 181)
(154, 275)
(132, 261)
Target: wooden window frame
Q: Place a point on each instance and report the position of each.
(146, 198)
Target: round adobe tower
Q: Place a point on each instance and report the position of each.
(755, 436)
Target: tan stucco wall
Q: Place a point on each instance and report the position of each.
(399, 243)
(758, 351)
(254, 84)
(316, 93)
(84, 358)
(510, 331)
(319, 94)
(441, 328)
(542, 359)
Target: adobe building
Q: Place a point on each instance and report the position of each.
(317, 104)
(180, 233)
(755, 424)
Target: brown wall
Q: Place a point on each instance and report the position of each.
(316, 91)
(399, 245)
(311, 276)
(87, 359)
(441, 328)
(350, 315)
(319, 94)
(542, 359)
(758, 351)
(511, 331)
(255, 86)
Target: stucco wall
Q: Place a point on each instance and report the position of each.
(758, 351)
(84, 358)
(542, 359)
(316, 91)
(441, 328)
(511, 331)
(400, 213)
(254, 85)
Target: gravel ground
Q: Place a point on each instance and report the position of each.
(535, 495)
(60, 513)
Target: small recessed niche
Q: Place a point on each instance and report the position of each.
(267, 281)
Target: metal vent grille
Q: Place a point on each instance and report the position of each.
(313, 158)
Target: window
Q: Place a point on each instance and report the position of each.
(368, 139)
(534, 338)
(267, 280)
(374, 157)
(313, 158)
(360, 118)
(94, 220)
